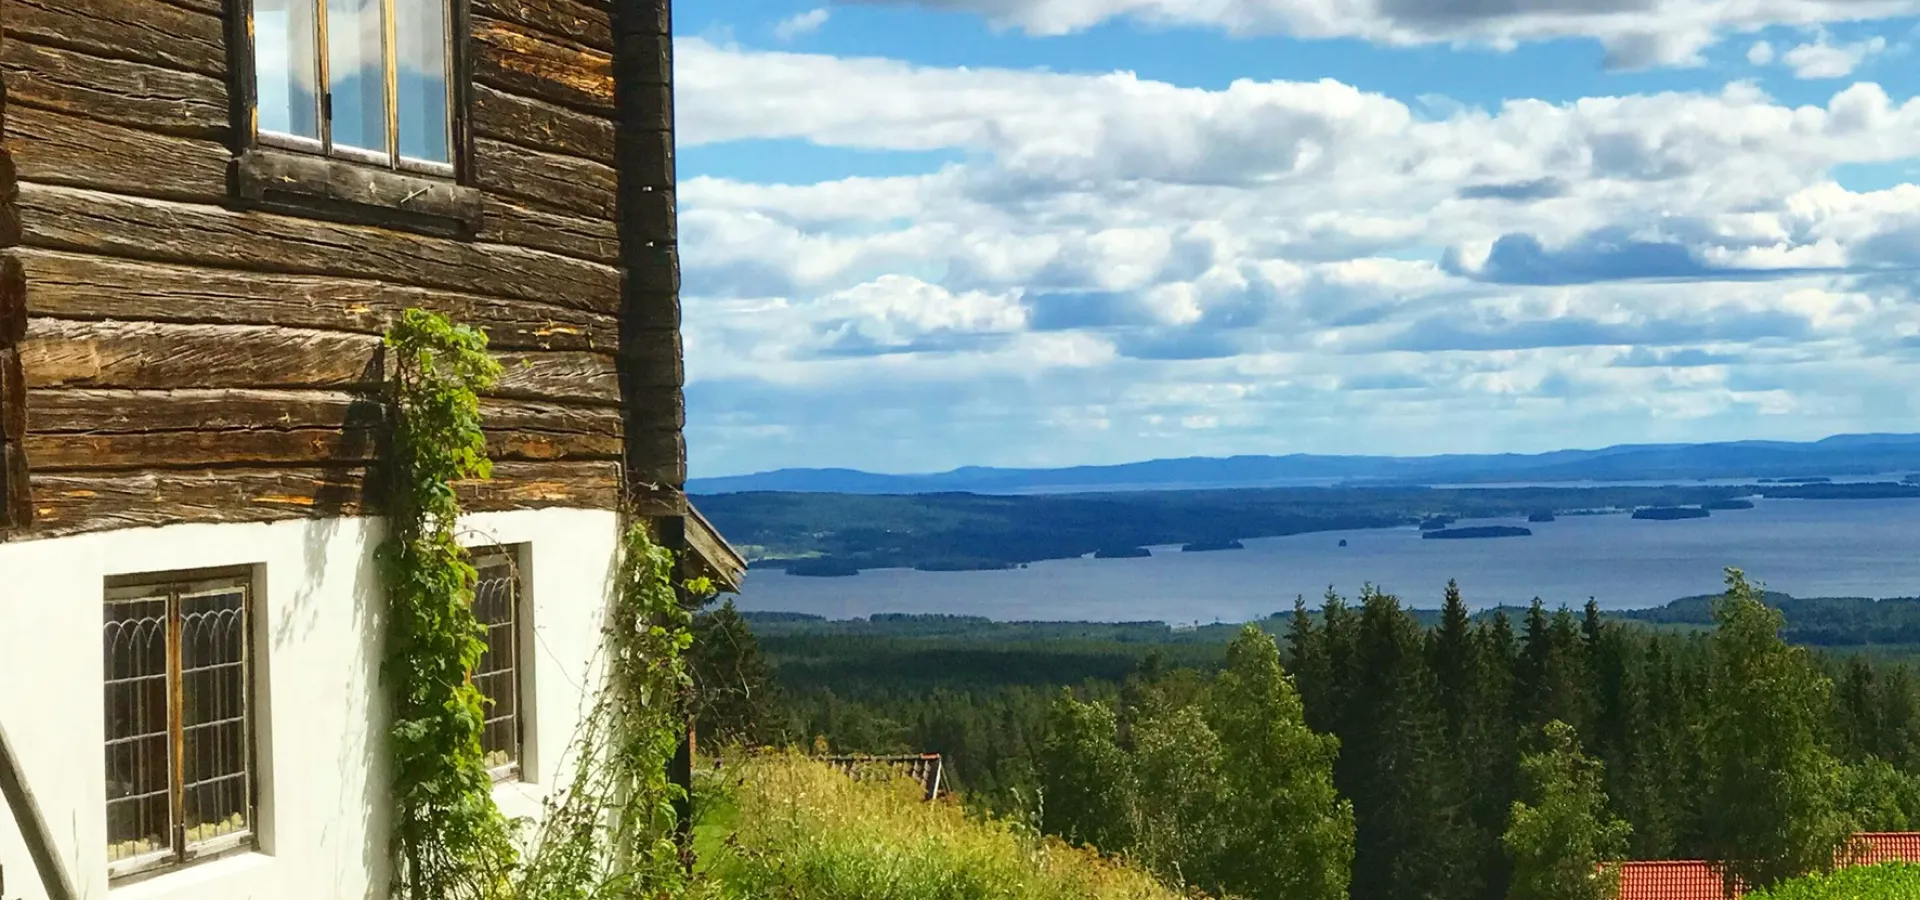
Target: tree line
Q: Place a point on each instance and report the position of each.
(1614, 739)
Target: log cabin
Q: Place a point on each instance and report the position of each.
(210, 212)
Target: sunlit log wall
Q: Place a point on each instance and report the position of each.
(169, 353)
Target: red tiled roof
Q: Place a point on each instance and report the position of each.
(1670, 880)
(1696, 880)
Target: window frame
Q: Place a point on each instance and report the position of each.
(174, 587)
(245, 82)
(509, 556)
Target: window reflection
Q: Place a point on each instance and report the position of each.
(364, 79)
(356, 65)
(287, 66)
(420, 28)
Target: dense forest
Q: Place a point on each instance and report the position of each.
(1700, 727)
(840, 534)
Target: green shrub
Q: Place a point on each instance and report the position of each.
(1893, 881)
(803, 831)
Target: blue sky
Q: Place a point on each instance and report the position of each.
(921, 234)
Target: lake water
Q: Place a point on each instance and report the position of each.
(1808, 548)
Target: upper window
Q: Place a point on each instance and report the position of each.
(179, 743)
(496, 603)
(365, 80)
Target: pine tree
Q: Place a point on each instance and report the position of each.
(1775, 795)
(733, 686)
(1561, 835)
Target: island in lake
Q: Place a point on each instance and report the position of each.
(1542, 516)
(1478, 531)
(1122, 553)
(1719, 505)
(1208, 546)
(826, 567)
(1670, 513)
(1435, 523)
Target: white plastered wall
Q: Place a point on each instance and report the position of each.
(318, 724)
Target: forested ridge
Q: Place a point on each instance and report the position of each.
(840, 534)
(1435, 714)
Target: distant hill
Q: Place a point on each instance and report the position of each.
(1841, 455)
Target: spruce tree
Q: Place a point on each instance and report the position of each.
(1775, 795)
(733, 685)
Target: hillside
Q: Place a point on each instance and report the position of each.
(1841, 455)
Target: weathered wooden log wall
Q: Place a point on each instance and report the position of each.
(169, 354)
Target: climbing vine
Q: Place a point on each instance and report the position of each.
(449, 840)
(610, 833)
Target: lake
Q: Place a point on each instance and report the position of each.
(1808, 548)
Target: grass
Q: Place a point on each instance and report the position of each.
(1893, 881)
(785, 827)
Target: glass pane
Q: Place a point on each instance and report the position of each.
(420, 28)
(286, 67)
(213, 673)
(139, 775)
(495, 602)
(356, 65)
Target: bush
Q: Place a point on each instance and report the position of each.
(803, 831)
(1894, 881)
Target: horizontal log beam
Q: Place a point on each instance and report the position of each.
(571, 20)
(199, 448)
(121, 92)
(540, 125)
(93, 222)
(57, 148)
(70, 286)
(120, 411)
(74, 503)
(148, 355)
(558, 183)
(514, 58)
(147, 31)
(510, 223)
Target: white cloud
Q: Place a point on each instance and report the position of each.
(1268, 258)
(1824, 59)
(1637, 33)
(803, 23)
(1760, 54)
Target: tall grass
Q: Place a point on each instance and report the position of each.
(1892, 881)
(786, 827)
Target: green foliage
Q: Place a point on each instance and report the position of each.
(1774, 794)
(1286, 834)
(611, 832)
(1435, 790)
(1561, 833)
(1086, 779)
(733, 686)
(1891, 881)
(449, 841)
(802, 831)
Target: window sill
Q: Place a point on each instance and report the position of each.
(306, 184)
(192, 878)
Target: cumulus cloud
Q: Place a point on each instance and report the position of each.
(1636, 33)
(1121, 255)
(1825, 59)
(802, 23)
